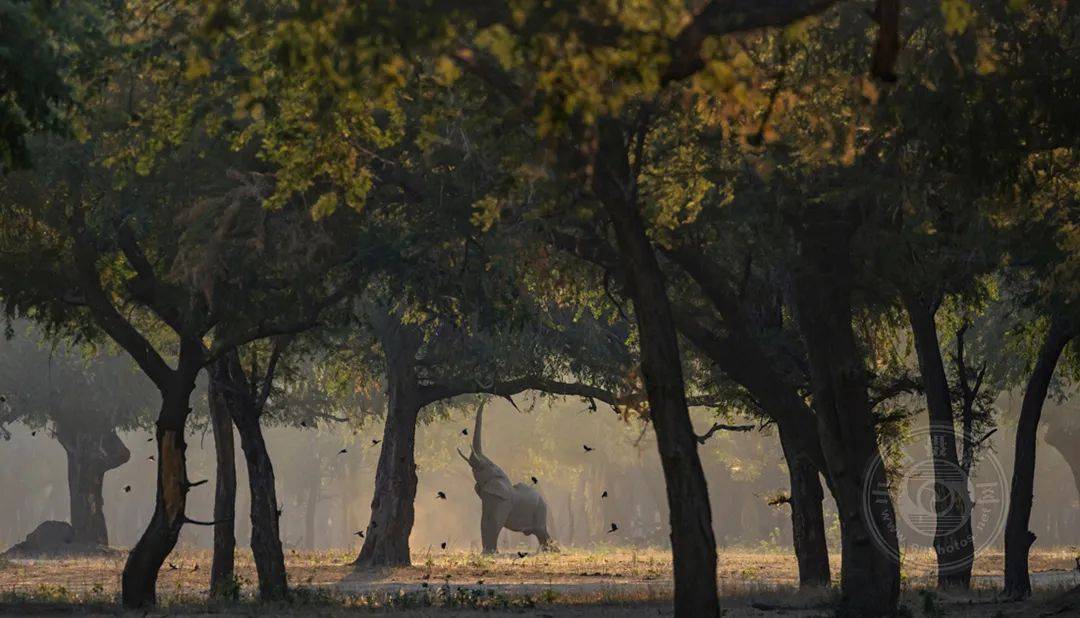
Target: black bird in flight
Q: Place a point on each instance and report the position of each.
(587, 448)
(443, 545)
(359, 533)
(465, 431)
(522, 554)
(342, 451)
(613, 528)
(604, 495)
(534, 480)
(374, 442)
(33, 433)
(127, 489)
(150, 439)
(441, 496)
(150, 458)
(172, 567)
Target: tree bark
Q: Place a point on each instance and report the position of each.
(807, 517)
(1018, 539)
(236, 391)
(870, 573)
(265, 535)
(386, 540)
(953, 541)
(222, 570)
(139, 580)
(692, 542)
(91, 452)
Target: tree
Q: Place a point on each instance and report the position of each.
(84, 397)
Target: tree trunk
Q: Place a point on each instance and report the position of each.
(222, 575)
(692, 542)
(265, 535)
(870, 573)
(1018, 539)
(386, 541)
(953, 541)
(807, 517)
(91, 452)
(139, 580)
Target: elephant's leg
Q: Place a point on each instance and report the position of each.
(539, 528)
(491, 524)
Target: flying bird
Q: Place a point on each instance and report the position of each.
(443, 545)
(587, 448)
(534, 480)
(172, 567)
(150, 439)
(150, 458)
(441, 496)
(359, 533)
(613, 528)
(343, 451)
(465, 431)
(127, 489)
(604, 495)
(374, 442)
(522, 554)
(33, 433)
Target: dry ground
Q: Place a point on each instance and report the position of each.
(607, 582)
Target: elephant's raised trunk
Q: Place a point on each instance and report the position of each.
(476, 430)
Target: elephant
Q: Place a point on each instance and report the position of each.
(519, 507)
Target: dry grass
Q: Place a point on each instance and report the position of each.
(459, 581)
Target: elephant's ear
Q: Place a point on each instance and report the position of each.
(498, 488)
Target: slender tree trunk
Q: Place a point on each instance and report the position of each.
(870, 573)
(139, 580)
(807, 516)
(1018, 539)
(692, 542)
(222, 575)
(953, 541)
(91, 452)
(743, 360)
(265, 535)
(311, 505)
(386, 541)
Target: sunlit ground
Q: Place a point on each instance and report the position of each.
(609, 581)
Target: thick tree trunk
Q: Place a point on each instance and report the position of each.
(870, 574)
(692, 542)
(953, 541)
(91, 452)
(222, 574)
(807, 517)
(386, 540)
(1018, 539)
(139, 580)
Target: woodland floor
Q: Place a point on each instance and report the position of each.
(575, 582)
